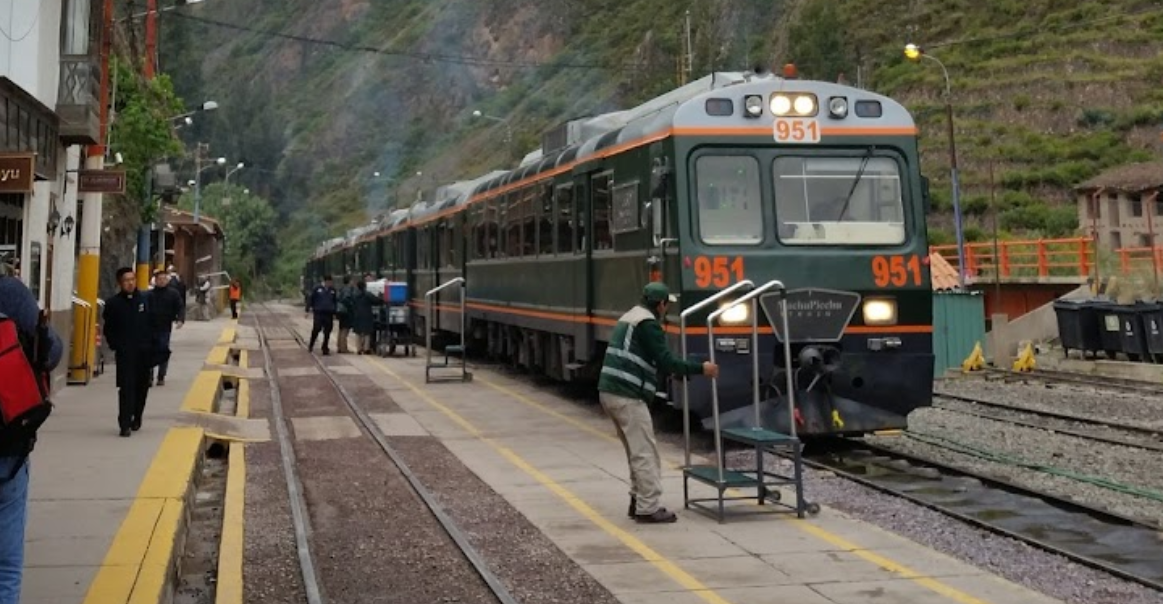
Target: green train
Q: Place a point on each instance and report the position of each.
(734, 176)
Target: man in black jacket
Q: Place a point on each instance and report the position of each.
(323, 302)
(166, 307)
(129, 332)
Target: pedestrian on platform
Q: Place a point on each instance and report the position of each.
(167, 308)
(18, 303)
(129, 332)
(343, 312)
(235, 297)
(363, 316)
(177, 283)
(323, 303)
(636, 354)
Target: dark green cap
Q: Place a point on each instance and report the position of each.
(656, 291)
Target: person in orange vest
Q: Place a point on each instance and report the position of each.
(235, 296)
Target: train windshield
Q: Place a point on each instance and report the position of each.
(838, 200)
(730, 199)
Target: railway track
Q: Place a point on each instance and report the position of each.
(1077, 379)
(371, 430)
(1091, 428)
(1096, 538)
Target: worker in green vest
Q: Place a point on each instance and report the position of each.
(636, 354)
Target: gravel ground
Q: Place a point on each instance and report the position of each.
(372, 538)
(533, 569)
(270, 559)
(1108, 404)
(1055, 424)
(1052, 575)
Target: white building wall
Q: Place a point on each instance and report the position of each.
(30, 53)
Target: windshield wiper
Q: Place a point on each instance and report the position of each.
(856, 182)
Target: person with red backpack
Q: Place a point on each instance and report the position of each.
(29, 351)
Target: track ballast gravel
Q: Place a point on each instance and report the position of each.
(1014, 560)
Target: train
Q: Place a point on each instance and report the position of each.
(735, 176)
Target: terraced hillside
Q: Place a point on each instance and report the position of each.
(1053, 92)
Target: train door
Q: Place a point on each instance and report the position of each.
(663, 248)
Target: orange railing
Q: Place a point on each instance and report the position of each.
(1014, 259)
(1133, 259)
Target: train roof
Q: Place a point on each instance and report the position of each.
(684, 110)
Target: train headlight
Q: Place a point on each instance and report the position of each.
(753, 105)
(805, 105)
(838, 107)
(737, 314)
(880, 312)
(780, 104)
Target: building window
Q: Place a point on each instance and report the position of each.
(1136, 206)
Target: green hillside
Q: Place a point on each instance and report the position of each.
(1053, 92)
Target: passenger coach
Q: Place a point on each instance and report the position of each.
(735, 176)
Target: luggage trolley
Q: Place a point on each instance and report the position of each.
(392, 319)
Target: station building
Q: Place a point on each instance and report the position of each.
(49, 114)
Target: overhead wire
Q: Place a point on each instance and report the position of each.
(433, 57)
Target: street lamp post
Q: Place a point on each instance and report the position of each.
(240, 166)
(913, 53)
(198, 169)
(508, 129)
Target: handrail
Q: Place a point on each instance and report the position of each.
(429, 299)
(686, 413)
(749, 297)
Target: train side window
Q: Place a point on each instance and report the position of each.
(450, 243)
(513, 226)
(545, 230)
(530, 206)
(730, 200)
(565, 220)
(600, 193)
(493, 227)
(581, 219)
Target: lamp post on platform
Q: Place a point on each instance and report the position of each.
(915, 53)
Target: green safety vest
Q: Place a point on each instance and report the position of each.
(625, 372)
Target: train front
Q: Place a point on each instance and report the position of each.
(818, 186)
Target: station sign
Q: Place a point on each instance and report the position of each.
(17, 172)
(101, 181)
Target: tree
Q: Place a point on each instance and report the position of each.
(249, 223)
(818, 42)
(142, 132)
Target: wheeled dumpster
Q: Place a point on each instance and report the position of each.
(1078, 326)
(1151, 318)
(1132, 341)
(1108, 328)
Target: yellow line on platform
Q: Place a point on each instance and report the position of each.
(228, 335)
(219, 355)
(230, 550)
(662, 563)
(137, 565)
(822, 534)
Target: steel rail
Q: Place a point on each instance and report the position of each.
(454, 532)
(294, 485)
(1054, 414)
(1104, 515)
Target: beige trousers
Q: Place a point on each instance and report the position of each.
(365, 343)
(636, 431)
(342, 340)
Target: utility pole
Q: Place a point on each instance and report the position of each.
(996, 253)
(150, 38)
(83, 349)
(198, 183)
(690, 49)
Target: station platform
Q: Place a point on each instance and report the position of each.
(562, 467)
(110, 516)
(85, 478)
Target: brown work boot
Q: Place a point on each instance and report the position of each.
(662, 515)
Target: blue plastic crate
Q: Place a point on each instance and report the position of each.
(397, 293)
